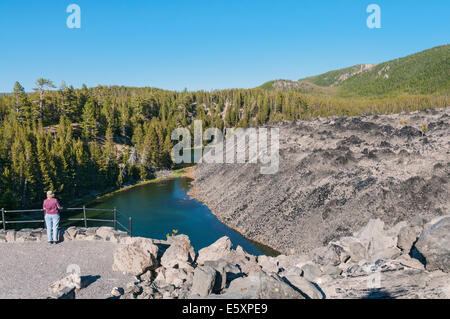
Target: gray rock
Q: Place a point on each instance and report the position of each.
(331, 270)
(286, 262)
(407, 237)
(268, 264)
(177, 277)
(407, 261)
(259, 285)
(10, 236)
(330, 254)
(70, 281)
(293, 270)
(136, 256)
(132, 291)
(109, 234)
(247, 263)
(434, 245)
(306, 287)
(353, 249)
(311, 272)
(29, 235)
(204, 281)
(378, 242)
(219, 250)
(226, 272)
(179, 254)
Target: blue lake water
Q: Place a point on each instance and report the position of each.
(159, 208)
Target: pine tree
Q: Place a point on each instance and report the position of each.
(89, 121)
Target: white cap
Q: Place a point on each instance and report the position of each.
(50, 193)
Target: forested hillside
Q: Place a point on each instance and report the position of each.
(81, 141)
(426, 72)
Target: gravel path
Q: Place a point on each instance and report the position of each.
(28, 269)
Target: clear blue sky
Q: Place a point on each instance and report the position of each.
(211, 44)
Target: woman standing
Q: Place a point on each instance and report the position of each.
(51, 207)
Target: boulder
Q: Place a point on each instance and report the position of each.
(407, 261)
(109, 234)
(226, 272)
(204, 281)
(407, 237)
(160, 275)
(352, 248)
(136, 257)
(378, 242)
(179, 254)
(285, 262)
(260, 285)
(304, 286)
(71, 281)
(243, 254)
(246, 262)
(29, 235)
(176, 277)
(331, 270)
(268, 264)
(434, 245)
(328, 255)
(394, 231)
(219, 250)
(70, 233)
(10, 236)
(311, 272)
(117, 292)
(292, 270)
(131, 291)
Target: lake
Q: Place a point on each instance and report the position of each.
(159, 208)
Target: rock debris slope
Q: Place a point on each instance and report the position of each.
(335, 174)
(408, 260)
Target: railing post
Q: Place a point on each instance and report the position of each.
(115, 218)
(3, 219)
(84, 215)
(131, 226)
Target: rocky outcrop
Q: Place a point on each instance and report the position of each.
(136, 256)
(434, 244)
(216, 251)
(336, 174)
(65, 288)
(180, 253)
(260, 285)
(204, 281)
(375, 262)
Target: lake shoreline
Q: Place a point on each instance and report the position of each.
(269, 251)
(89, 199)
(189, 173)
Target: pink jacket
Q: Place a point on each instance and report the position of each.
(51, 206)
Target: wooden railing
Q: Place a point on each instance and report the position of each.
(114, 221)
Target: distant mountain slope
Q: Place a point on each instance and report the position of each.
(337, 76)
(426, 72)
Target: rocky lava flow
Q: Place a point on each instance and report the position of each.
(408, 260)
(335, 174)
